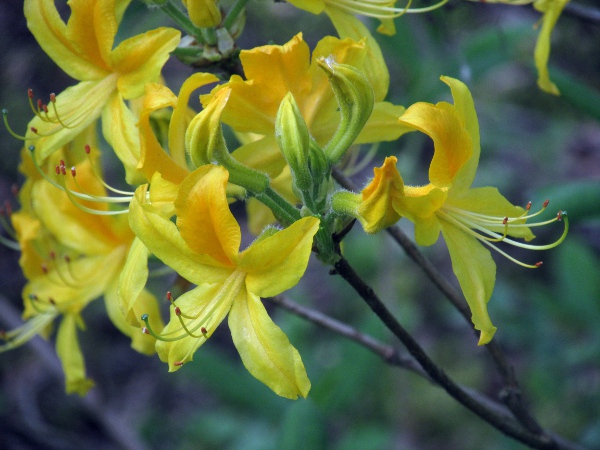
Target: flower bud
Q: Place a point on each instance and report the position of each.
(354, 95)
(292, 137)
(203, 13)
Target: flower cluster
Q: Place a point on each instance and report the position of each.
(296, 116)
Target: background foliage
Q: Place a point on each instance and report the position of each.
(534, 146)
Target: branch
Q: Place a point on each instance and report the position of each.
(510, 428)
(511, 392)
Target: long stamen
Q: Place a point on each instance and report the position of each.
(8, 128)
(97, 175)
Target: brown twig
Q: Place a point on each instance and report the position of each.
(511, 391)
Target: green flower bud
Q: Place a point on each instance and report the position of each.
(354, 95)
(292, 137)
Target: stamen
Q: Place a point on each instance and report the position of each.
(130, 194)
(178, 363)
(8, 128)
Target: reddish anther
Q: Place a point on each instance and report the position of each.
(177, 311)
(39, 103)
(62, 162)
(539, 264)
(53, 97)
(178, 363)
(63, 170)
(203, 330)
(67, 258)
(546, 203)
(559, 215)
(528, 207)
(34, 129)
(73, 171)
(30, 93)
(51, 301)
(169, 297)
(44, 268)
(52, 254)
(88, 149)
(45, 108)
(145, 330)
(57, 170)
(505, 221)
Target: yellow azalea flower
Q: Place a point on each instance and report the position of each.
(70, 258)
(204, 13)
(202, 246)
(272, 71)
(83, 48)
(467, 217)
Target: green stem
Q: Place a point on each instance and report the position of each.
(209, 35)
(233, 13)
(282, 209)
(182, 20)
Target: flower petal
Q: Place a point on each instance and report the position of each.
(78, 106)
(277, 263)
(69, 352)
(203, 216)
(210, 303)
(132, 280)
(383, 124)
(163, 239)
(120, 131)
(552, 11)
(265, 350)
(139, 59)
(476, 272)
(452, 143)
(58, 42)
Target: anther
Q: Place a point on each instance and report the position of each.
(44, 268)
(51, 301)
(145, 330)
(39, 103)
(63, 170)
(528, 207)
(560, 215)
(73, 171)
(57, 170)
(169, 297)
(178, 363)
(177, 311)
(33, 297)
(505, 221)
(546, 202)
(30, 93)
(67, 258)
(53, 97)
(539, 264)
(203, 331)
(34, 130)
(88, 149)
(52, 255)
(45, 108)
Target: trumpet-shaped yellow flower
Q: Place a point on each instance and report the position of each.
(83, 48)
(70, 258)
(467, 217)
(272, 71)
(202, 246)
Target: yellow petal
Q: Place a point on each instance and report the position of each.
(419, 203)
(179, 120)
(383, 124)
(376, 209)
(78, 106)
(203, 13)
(265, 350)
(69, 352)
(465, 110)
(489, 201)
(152, 156)
(162, 238)
(210, 303)
(62, 44)
(452, 143)
(144, 303)
(203, 216)
(476, 272)
(163, 194)
(374, 68)
(132, 281)
(139, 59)
(552, 10)
(27, 228)
(277, 263)
(120, 130)
(263, 155)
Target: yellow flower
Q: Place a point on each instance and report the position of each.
(70, 258)
(272, 71)
(203, 248)
(466, 217)
(83, 48)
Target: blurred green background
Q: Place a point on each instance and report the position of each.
(534, 146)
